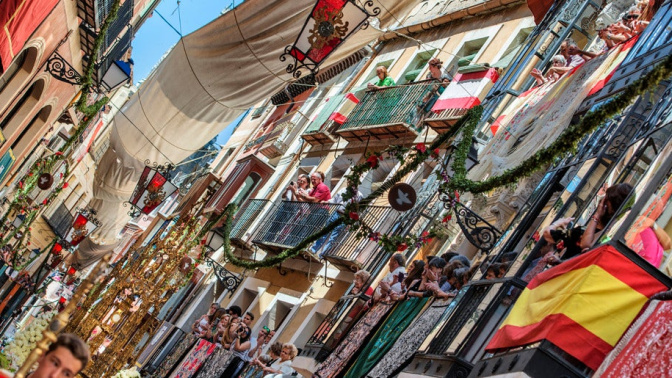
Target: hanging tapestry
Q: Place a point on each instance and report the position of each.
(194, 359)
(409, 341)
(339, 358)
(214, 366)
(404, 313)
(175, 355)
(644, 350)
(158, 339)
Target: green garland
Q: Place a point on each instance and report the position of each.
(565, 143)
(420, 155)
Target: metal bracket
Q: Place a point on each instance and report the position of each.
(477, 230)
(61, 70)
(230, 280)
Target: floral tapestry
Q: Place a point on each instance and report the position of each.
(338, 359)
(215, 365)
(175, 355)
(194, 359)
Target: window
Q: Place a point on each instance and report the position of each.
(13, 68)
(514, 47)
(246, 189)
(467, 54)
(416, 67)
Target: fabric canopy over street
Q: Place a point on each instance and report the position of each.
(209, 78)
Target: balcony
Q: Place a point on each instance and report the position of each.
(290, 223)
(60, 221)
(333, 328)
(244, 220)
(334, 113)
(388, 113)
(464, 92)
(276, 141)
(458, 341)
(347, 252)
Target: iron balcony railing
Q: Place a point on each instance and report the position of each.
(246, 216)
(389, 106)
(344, 250)
(332, 329)
(291, 222)
(279, 134)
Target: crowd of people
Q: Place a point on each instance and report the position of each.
(253, 356)
(631, 24)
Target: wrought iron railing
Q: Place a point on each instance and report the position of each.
(280, 130)
(291, 222)
(391, 105)
(245, 218)
(335, 326)
(344, 249)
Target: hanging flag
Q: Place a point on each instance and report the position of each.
(466, 90)
(583, 306)
(340, 115)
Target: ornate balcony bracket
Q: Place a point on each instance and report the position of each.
(477, 230)
(61, 70)
(230, 280)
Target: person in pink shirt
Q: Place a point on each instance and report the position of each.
(320, 191)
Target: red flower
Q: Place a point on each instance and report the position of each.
(425, 234)
(21, 184)
(354, 216)
(30, 174)
(28, 243)
(560, 245)
(457, 196)
(536, 236)
(65, 185)
(447, 218)
(203, 242)
(375, 236)
(45, 201)
(373, 161)
(59, 153)
(421, 147)
(435, 153)
(401, 247)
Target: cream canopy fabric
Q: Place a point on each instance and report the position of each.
(205, 82)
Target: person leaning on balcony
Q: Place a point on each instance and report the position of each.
(283, 366)
(392, 281)
(320, 191)
(383, 79)
(428, 284)
(574, 57)
(551, 76)
(302, 184)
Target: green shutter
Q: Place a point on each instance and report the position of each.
(323, 117)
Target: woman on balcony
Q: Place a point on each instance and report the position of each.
(302, 186)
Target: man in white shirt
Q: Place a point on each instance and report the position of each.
(392, 281)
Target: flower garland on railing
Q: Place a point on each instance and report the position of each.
(565, 143)
(420, 154)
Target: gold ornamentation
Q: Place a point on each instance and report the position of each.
(328, 26)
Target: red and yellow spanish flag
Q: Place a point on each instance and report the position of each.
(583, 306)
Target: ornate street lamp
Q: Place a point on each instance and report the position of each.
(329, 24)
(84, 224)
(152, 189)
(215, 239)
(118, 74)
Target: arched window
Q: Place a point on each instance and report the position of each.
(16, 75)
(22, 109)
(23, 141)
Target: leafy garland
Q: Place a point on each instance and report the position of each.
(21, 203)
(419, 155)
(565, 143)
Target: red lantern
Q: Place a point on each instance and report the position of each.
(62, 300)
(84, 224)
(329, 24)
(152, 189)
(72, 271)
(57, 249)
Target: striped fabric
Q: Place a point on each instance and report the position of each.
(466, 90)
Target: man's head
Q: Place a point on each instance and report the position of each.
(568, 47)
(248, 318)
(65, 358)
(263, 332)
(235, 312)
(396, 261)
(315, 179)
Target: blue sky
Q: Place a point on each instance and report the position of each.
(156, 36)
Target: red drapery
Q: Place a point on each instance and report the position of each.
(19, 19)
(539, 8)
